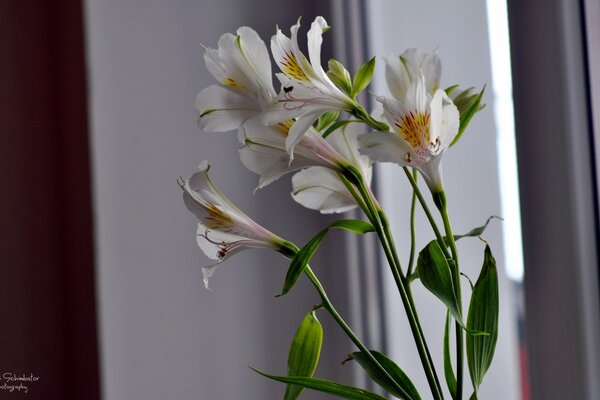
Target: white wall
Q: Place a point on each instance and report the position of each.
(162, 334)
(458, 29)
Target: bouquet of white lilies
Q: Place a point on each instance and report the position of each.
(316, 126)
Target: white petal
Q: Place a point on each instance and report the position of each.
(222, 109)
(417, 99)
(300, 58)
(315, 40)
(403, 70)
(215, 64)
(269, 162)
(320, 189)
(207, 273)
(387, 147)
(397, 77)
(345, 141)
(428, 64)
(299, 128)
(256, 57)
(445, 120)
(432, 173)
(394, 110)
(230, 55)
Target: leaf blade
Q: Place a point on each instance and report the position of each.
(304, 255)
(483, 316)
(448, 371)
(363, 77)
(322, 385)
(392, 369)
(434, 272)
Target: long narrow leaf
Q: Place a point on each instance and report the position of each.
(302, 258)
(322, 385)
(465, 117)
(448, 371)
(353, 225)
(336, 125)
(304, 352)
(475, 231)
(483, 316)
(400, 378)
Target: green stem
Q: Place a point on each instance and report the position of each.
(362, 114)
(425, 208)
(414, 322)
(413, 203)
(331, 309)
(379, 221)
(440, 201)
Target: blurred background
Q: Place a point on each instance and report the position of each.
(102, 294)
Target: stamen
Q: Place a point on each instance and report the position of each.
(414, 127)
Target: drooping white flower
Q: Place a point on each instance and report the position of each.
(423, 126)
(321, 188)
(264, 151)
(307, 91)
(242, 66)
(318, 186)
(401, 71)
(223, 229)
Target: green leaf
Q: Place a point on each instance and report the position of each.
(473, 396)
(322, 385)
(327, 119)
(434, 271)
(382, 380)
(483, 316)
(363, 77)
(471, 106)
(450, 89)
(302, 258)
(340, 76)
(448, 371)
(304, 352)
(336, 125)
(353, 225)
(475, 231)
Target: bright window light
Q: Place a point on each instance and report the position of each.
(505, 124)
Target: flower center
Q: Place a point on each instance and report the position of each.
(290, 67)
(414, 128)
(217, 219)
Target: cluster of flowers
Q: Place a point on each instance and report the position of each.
(299, 128)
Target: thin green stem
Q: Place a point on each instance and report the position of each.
(425, 208)
(331, 309)
(356, 196)
(362, 114)
(379, 220)
(440, 200)
(413, 203)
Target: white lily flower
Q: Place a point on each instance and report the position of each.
(223, 229)
(401, 71)
(321, 188)
(307, 91)
(424, 126)
(242, 66)
(264, 151)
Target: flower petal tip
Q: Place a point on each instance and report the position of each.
(204, 166)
